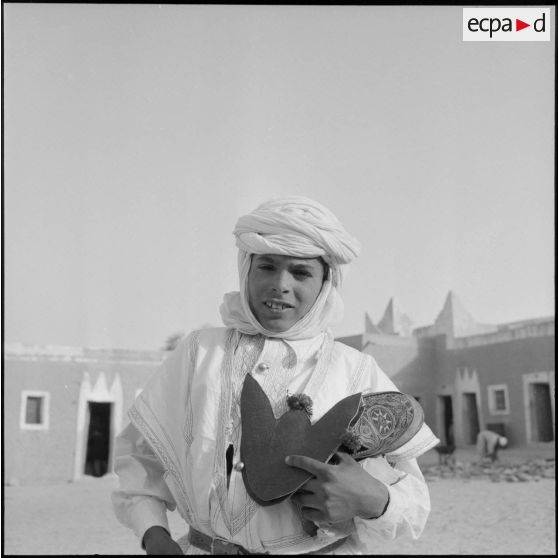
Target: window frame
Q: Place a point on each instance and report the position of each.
(492, 399)
(45, 410)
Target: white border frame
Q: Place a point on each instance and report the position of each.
(97, 393)
(492, 401)
(45, 410)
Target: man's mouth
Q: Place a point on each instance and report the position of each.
(277, 306)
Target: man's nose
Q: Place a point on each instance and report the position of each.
(281, 282)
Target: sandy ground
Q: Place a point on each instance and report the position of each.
(469, 516)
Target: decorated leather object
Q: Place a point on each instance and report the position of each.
(364, 425)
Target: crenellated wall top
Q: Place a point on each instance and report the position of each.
(20, 351)
(506, 333)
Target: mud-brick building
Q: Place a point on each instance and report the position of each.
(63, 407)
(467, 375)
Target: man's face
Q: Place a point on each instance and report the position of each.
(282, 289)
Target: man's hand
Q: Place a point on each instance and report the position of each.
(158, 541)
(338, 492)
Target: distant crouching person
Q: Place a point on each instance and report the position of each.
(488, 444)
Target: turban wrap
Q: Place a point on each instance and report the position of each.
(298, 227)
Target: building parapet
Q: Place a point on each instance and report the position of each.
(535, 328)
(19, 351)
(388, 340)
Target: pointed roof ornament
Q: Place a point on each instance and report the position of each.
(100, 391)
(395, 321)
(454, 319)
(369, 326)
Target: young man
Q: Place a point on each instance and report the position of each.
(183, 446)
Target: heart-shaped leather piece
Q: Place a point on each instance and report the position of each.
(266, 441)
(382, 421)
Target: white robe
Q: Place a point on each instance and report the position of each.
(173, 452)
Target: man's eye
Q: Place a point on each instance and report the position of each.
(268, 267)
(302, 273)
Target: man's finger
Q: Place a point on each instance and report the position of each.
(311, 486)
(308, 464)
(306, 500)
(312, 514)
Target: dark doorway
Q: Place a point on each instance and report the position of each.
(447, 418)
(98, 439)
(541, 411)
(470, 418)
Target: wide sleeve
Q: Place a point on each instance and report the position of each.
(143, 497)
(407, 510)
(409, 498)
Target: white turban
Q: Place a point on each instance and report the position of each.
(298, 227)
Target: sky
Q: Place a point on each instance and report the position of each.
(135, 135)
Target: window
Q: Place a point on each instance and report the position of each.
(33, 413)
(34, 410)
(498, 399)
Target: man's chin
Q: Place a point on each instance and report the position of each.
(277, 326)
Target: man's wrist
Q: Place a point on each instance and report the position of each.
(381, 509)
